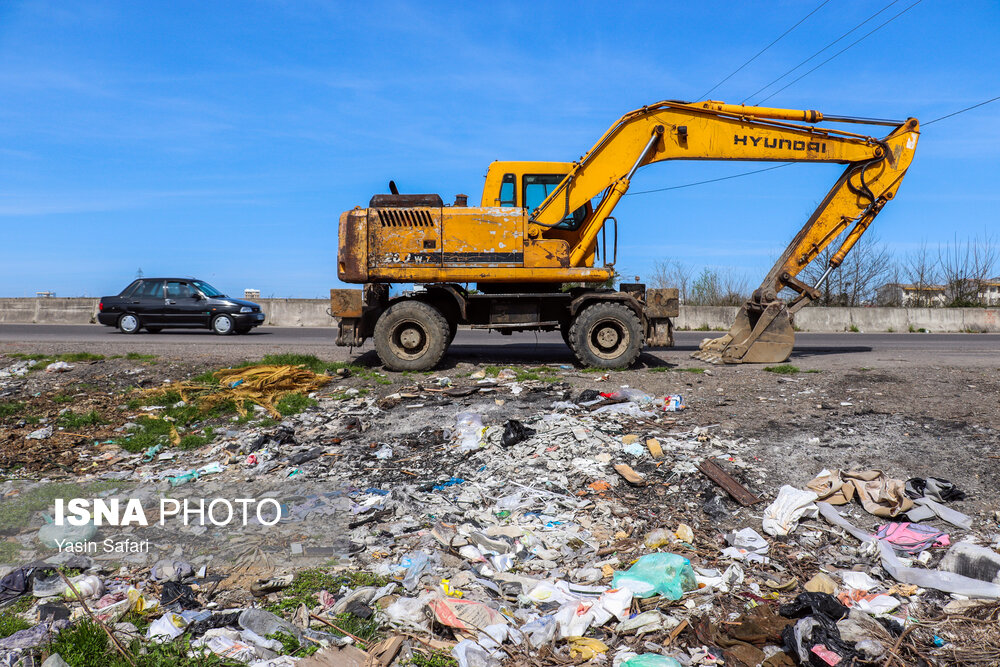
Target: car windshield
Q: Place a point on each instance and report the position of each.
(206, 289)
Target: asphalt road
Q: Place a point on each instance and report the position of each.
(812, 349)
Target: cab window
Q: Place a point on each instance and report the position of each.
(539, 186)
(507, 189)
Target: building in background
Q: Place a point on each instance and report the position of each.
(251, 294)
(911, 296)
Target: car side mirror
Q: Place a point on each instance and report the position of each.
(197, 296)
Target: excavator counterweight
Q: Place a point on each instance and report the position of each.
(537, 248)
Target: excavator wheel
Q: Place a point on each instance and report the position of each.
(564, 327)
(411, 336)
(606, 335)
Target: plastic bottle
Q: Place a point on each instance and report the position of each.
(57, 537)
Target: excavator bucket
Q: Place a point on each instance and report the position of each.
(756, 337)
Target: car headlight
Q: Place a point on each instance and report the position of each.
(246, 309)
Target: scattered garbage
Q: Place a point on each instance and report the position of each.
(444, 522)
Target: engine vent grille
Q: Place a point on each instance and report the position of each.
(405, 217)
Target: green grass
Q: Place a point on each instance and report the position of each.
(11, 623)
(193, 441)
(62, 398)
(290, 645)
(135, 356)
(854, 328)
(86, 644)
(433, 659)
(16, 513)
(9, 551)
(76, 420)
(12, 409)
(151, 432)
(308, 583)
(292, 404)
(813, 370)
(665, 369)
(783, 369)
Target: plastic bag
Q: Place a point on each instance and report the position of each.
(166, 627)
(59, 537)
(469, 426)
(782, 516)
(515, 432)
(668, 574)
(418, 562)
(651, 660)
(540, 631)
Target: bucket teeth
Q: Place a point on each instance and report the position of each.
(758, 335)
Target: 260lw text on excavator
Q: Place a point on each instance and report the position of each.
(537, 247)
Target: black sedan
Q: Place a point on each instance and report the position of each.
(157, 303)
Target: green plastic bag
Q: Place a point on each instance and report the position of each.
(665, 574)
(651, 660)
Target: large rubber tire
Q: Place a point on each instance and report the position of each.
(223, 325)
(129, 323)
(452, 330)
(411, 336)
(564, 328)
(606, 335)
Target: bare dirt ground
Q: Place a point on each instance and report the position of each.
(371, 432)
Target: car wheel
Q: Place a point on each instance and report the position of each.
(129, 323)
(223, 325)
(154, 329)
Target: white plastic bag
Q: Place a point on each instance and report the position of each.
(782, 516)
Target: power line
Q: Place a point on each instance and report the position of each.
(857, 41)
(705, 96)
(759, 90)
(960, 111)
(711, 180)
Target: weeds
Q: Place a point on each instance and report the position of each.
(432, 659)
(854, 328)
(11, 623)
(17, 512)
(307, 583)
(12, 409)
(783, 369)
(291, 404)
(666, 369)
(76, 420)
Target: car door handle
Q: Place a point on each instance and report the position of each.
(171, 302)
(135, 302)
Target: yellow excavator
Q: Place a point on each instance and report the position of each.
(537, 245)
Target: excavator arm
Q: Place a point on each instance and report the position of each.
(713, 130)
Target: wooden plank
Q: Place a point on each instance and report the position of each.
(714, 472)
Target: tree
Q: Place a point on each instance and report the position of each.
(866, 267)
(920, 269)
(965, 266)
(672, 273)
(712, 289)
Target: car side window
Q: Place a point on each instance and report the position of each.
(178, 290)
(150, 289)
(507, 191)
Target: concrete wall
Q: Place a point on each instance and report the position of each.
(871, 320)
(312, 313)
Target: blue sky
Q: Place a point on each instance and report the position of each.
(223, 139)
